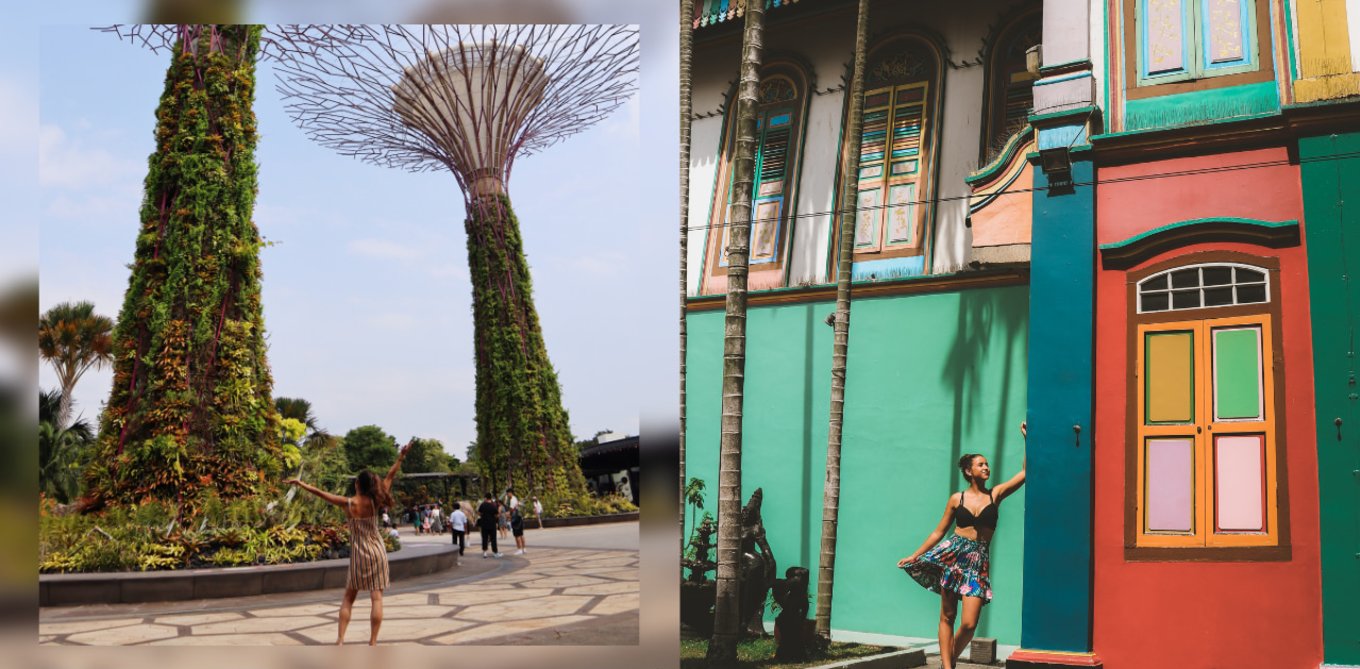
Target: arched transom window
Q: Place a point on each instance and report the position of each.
(1203, 286)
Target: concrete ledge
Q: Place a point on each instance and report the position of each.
(161, 586)
(912, 657)
(585, 520)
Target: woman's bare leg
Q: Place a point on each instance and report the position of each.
(346, 606)
(949, 603)
(375, 618)
(972, 607)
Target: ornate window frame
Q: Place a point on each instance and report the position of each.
(998, 81)
(1198, 72)
(1141, 543)
(785, 91)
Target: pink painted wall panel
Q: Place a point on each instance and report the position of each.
(1239, 482)
(1165, 35)
(1171, 481)
(1007, 219)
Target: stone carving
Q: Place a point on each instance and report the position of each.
(793, 634)
(756, 573)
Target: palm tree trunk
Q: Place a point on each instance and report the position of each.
(831, 495)
(686, 104)
(727, 623)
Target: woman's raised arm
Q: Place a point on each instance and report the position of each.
(329, 497)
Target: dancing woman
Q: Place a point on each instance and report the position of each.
(368, 552)
(958, 567)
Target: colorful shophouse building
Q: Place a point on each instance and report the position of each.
(1137, 239)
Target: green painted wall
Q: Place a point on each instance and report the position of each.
(930, 377)
(1331, 203)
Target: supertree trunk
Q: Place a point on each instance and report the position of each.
(190, 407)
(523, 435)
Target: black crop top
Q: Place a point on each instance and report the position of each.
(965, 518)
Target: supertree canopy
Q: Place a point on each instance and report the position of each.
(470, 99)
(190, 407)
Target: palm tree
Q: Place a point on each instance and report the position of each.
(727, 623)
(686, 106)
(831, 494)
(693, 494)
(61, 450)
(301, 410)
(73, 338)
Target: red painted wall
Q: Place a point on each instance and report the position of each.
(1204, 614)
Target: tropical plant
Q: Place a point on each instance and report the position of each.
(722, 651)
(190, 407)
(73, 339)
(831, 494)
(301, 410)
(694, 498)
(427, 455)
(62, 452)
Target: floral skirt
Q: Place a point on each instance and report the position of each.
(957, 564)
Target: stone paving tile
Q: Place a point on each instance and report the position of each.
(44, 638)
(404, 612)
(564, 581)
(491, 631)
(231, 640)
(553, 605)
(603, 588)
(397, 630)
(250, 625)
(118, 636)
(325, 634)
(456, 597)
(615, 604)
(304, 610)
(86, 625)
(198, 618)
(399, 600)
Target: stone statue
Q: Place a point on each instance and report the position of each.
(792, 629)
(756, 573)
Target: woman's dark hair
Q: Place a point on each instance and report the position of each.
(966, 463)
(369, 485)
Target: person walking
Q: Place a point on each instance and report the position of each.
(517, 529)
(368, 568)
(958, 567)
(487, 517)
(502, 519)
(458, 523)
(538, 511)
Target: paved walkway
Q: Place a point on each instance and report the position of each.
(552, 595)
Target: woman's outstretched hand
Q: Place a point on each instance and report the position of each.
(905, 561)
(1023, 433)
(292, 482)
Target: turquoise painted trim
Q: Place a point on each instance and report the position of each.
(905, 280)
(1289, 37)
(1062, 137)
(888, 268)
(1036, 119)
(1056, 613)
(1056, 80)
(1197, 222)
(1202, 107)
(1002, 159)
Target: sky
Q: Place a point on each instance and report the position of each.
(367, 302)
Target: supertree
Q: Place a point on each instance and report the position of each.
(471, 99)
(190, 407)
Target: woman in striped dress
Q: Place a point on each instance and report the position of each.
(368, 552)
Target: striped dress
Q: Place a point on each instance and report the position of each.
(367, 555)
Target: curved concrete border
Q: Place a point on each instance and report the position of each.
(184, 584)
(584, 520)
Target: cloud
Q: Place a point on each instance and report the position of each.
(19, 108)
(64, 162)
(626, 122)
(384, 249)
(604, 264)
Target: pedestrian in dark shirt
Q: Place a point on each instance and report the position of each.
(486, 522)
(517, 529)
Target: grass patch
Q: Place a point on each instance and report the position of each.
(759, 654)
